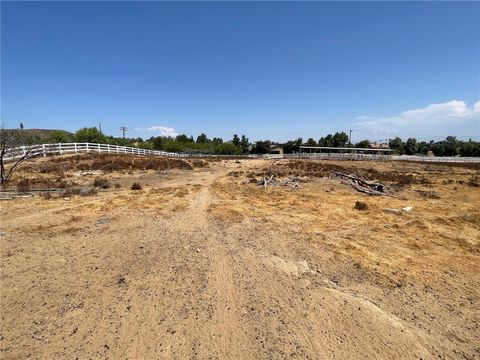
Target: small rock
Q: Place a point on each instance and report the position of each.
(66, 198)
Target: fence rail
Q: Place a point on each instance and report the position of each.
(381, 157)
(76, 148)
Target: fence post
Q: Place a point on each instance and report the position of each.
(75, 146)
(108, 148)
(43, 149)
(98, 145)
(86, 146)
(117, 148)
(60, 148)
(24, 151)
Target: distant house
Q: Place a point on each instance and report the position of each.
(276, 149)
(375, 145)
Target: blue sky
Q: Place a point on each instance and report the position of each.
(275, 70)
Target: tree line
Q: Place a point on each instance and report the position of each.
(451, 146)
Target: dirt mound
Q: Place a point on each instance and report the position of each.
(109, 163)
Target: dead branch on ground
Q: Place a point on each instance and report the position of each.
(363, 186)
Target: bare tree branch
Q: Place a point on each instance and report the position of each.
(15, 147)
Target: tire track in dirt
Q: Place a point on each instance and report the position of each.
(191, 285)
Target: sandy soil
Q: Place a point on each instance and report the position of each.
(205, 264)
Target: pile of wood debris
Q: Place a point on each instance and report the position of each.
(292, 181)
(362, 185)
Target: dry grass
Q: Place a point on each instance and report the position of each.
(299, 272)
(107, 163)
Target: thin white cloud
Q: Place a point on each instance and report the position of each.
(436, 120)
(364, 118)
(160, 130)
(476, 106)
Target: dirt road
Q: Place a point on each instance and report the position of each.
(182, 269)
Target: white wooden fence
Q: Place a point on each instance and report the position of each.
(381, 157)
(76, 148)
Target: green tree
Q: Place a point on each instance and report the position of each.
(340, 139)
(292, 146)
(423, 148)
(261, 147)
(411, 146)
(311, 142)
(469, 148)
(397, 145)
(183, 138)
(91, 135)
(227, 149)
(159, 142)
(438, 148)
(451, 146)
(203, 139)
(365, 144)
(326, 141)
(236, 140)
(175, 146)
(244, 144)
(217, 141)
(147, 145)
(58, 136)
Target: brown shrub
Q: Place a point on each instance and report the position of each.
(360, 205)
(428, 194)
(136, 186)
(40, 183)
(474, 181)
(101, 183)
(112, 162)
(24, 184)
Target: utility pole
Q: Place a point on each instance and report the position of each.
(350, 138)
(123, 129)
(100, 127)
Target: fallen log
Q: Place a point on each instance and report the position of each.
(361, 185)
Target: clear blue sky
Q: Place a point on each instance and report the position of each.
(275, 70)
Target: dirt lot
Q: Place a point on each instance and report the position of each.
(204, 263)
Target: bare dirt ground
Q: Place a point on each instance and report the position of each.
(203, 263)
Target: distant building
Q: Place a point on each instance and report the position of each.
(276, 149)
(333, 150)
(375, 145)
